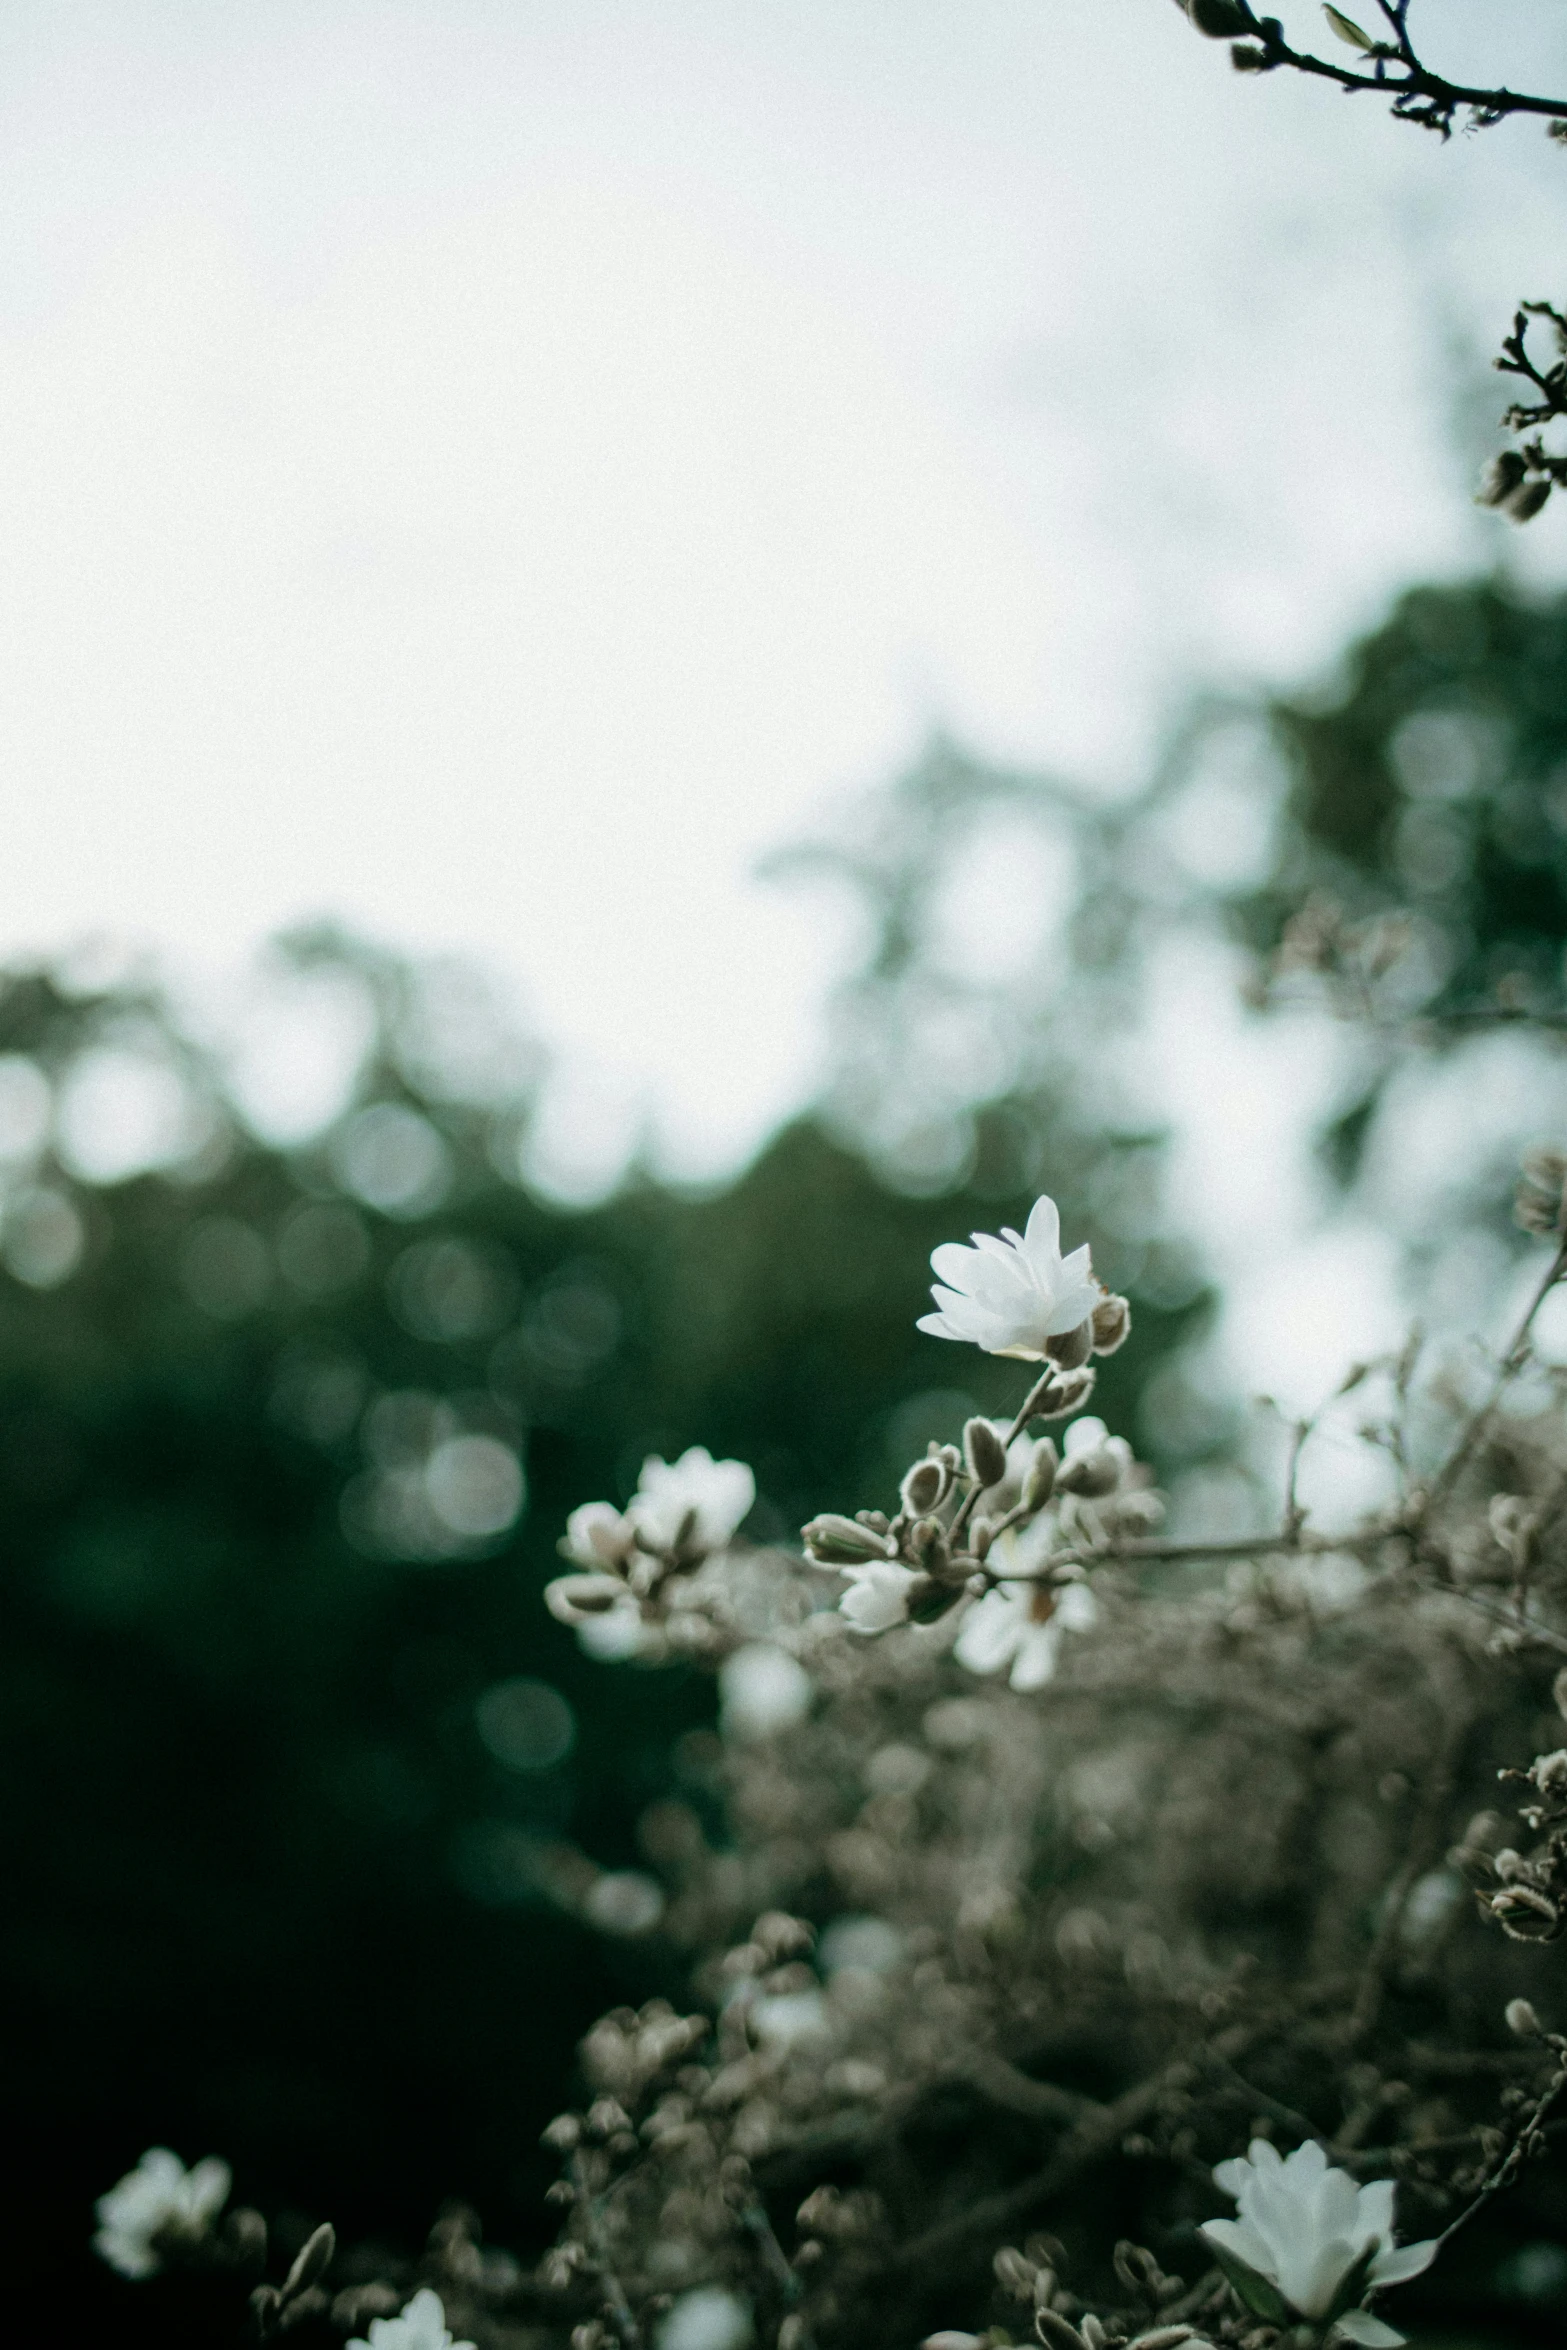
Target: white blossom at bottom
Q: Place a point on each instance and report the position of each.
(421, 2326)
(159, 2197)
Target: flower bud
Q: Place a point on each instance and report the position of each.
(984, 1453)
(1246, 59)
(1065, 1395)
(924, 1486)
(1013, 2273)
(951, 2341)
(312, 2260)
(1559, 1691)
(564, 2132)
(841, 1542)
(1040, 1482)
(1220, 20)
(1524, 503)
(1091, 1475)
(929, 1600)
(1112, 1320)
(1071, 1347)
(1500, 478)
(1549, 1772)
(572, 1597)
(1522, 2021)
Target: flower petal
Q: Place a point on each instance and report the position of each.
(1396, 2264)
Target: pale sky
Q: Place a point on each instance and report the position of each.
(491, 469)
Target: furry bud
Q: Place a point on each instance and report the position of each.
(1112, 1320)
(1014, 2274)
(1071, 1347)
(1559, 1691)
(923, 1487)
(984, 1453)
(1040, 1482)
(1522, 2021)
(1065, 1395)
(840, 1542)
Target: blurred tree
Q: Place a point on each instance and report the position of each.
(304, 1781)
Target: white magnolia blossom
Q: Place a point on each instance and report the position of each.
(1022, 1625)
(1009, 1295)
(714, 1495)
(422, 2326)
(159, 2197)
(878, 1595)
(710, 1496)
(1302, 2228)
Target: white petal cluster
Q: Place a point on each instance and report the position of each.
(421, 2326)
(1009, 1295)
(697, 1497)
(696, 1501)
(159, 2197)
(878, 1595)
(1303, 2226)
(1022, 1625)
(691, 1506)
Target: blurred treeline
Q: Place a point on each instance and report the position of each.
(288, 1434)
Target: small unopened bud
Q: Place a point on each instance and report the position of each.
(1220, 20)
(1065, 1395)
(312, 2260)
(1071, 1347)
(984, 1453)
(1559, 1691)
(1525, 502)
(1246, 59)
(951, 2341)
(1500, 478)
(1522, 2021)
(923, 1487)
(929, 1599)
(819, 2209)
(245, 2237)
(1112, 1320)
(606, 2116)
(840, 1542)
(1090, 1474)
(1040, 1482)
(564, 2132)
(572, 1598)
(1013, 2273)
(1549, 1772)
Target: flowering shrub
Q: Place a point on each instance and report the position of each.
(1065, 1859)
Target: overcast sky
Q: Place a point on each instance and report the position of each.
(490, 469)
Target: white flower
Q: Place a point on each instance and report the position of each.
(159, 2196)
(762, 1688)
(1303, 2228)
(1010, 1295)
(597, 1536)
(422, 2326)
(1022, 1624)
(878, 1595)
(714, 1495)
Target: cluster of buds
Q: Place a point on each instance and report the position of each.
(1350, 955)
(1060, 2322)
(1510, 485)
(1525, 1893)
(633, 1566)
(1541, 1202)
